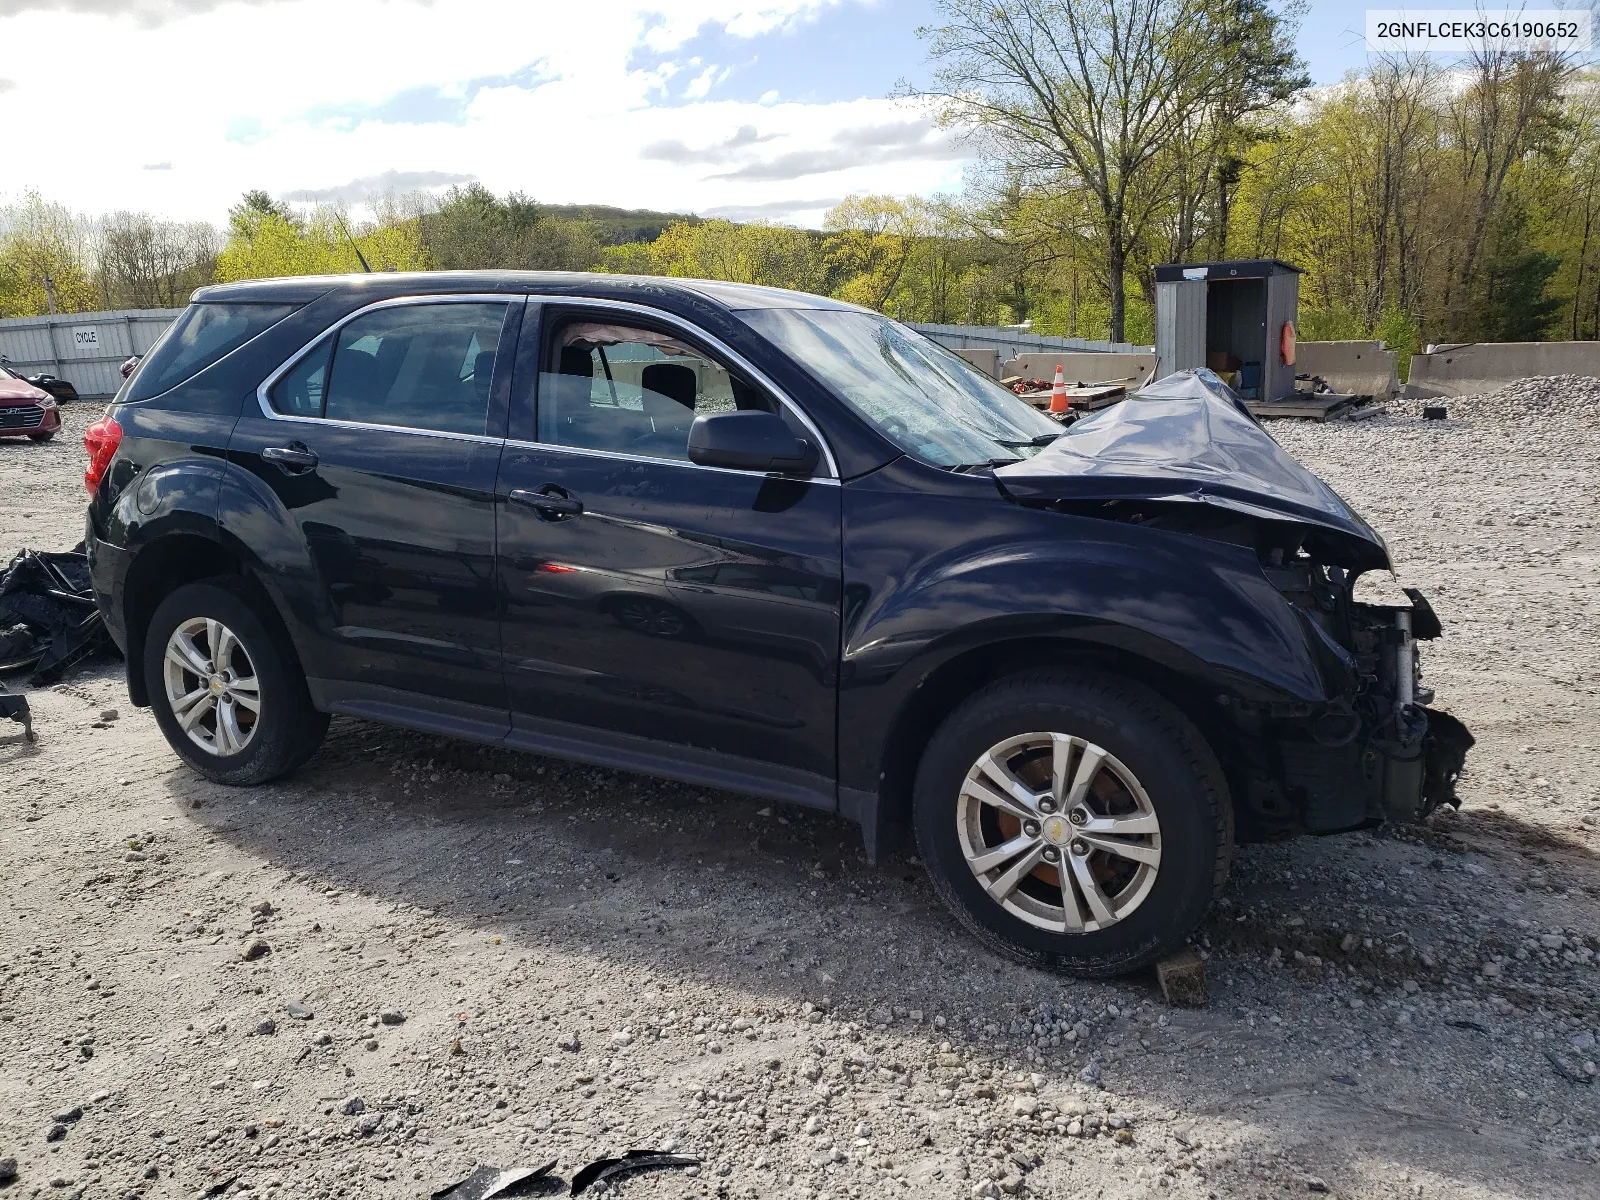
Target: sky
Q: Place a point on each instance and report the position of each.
(750, 109)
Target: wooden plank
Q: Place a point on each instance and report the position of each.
(1308, 407)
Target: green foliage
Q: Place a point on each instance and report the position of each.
(1510, 297)
(472, 229)
(1398, 331)
(1331, 325)
(42, 254)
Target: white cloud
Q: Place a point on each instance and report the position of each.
(310, 98)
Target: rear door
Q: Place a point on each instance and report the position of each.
(381, 443)
(671, 608)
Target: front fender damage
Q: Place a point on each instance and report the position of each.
(1185, 456)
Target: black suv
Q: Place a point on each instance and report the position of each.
(766, 542)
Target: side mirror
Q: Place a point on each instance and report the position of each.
(749, 441)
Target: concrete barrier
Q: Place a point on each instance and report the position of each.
(1485, 366)
(1360, 368)
(985, 358)
(1080, 367)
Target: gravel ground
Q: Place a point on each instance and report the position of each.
(416, 955)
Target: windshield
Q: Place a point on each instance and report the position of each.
(931, 403)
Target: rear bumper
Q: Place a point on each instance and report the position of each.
(108, 573)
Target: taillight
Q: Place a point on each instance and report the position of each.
(101, 441)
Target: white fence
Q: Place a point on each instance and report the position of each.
(87, 348)
(83, 348)
(1011, 341)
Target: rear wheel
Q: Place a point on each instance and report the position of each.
(225, 687)
(1073, 821)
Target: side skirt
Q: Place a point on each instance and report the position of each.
(578, 743)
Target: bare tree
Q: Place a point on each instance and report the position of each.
(1099, 91)
(144, 262)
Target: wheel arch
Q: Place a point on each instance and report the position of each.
(952, 681)
(163, 565)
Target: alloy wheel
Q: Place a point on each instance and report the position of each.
(211, 686)
(1059, 832)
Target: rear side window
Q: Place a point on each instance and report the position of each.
(425, 366)
(202, 335)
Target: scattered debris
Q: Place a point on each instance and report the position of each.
(1568, 1068)
(48, 617)
(1435, 412)
(1183, 979)
(16, 708)
(633, 1160)
(490, 1181)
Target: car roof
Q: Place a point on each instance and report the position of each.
(301, 289)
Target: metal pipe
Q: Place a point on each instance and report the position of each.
(1405, 667)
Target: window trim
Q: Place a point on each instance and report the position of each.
(718, 347)
(716, 344)
(263, 391)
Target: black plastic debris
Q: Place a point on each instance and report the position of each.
(48, 618)
(1567, 1066)
(1435, 412)
(16, 709)
(633, 1160)
(491, 1181)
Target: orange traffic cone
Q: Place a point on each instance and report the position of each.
(1058, 392)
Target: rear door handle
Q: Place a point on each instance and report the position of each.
(551, 501)
(294, 459)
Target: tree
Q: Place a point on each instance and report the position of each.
(1099, 92)
(1509, 300)
(144, 262)
(774, 255)
(472, 229)
(42, 253)
(874, 238)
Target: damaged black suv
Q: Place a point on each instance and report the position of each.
(766, 542)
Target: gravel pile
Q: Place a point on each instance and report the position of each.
(418, 955)
(1576, 396)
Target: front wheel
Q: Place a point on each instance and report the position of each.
(226, 690)
(1073, 821)
(41, 437)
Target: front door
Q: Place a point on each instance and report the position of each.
(381, 444)
(678, 608)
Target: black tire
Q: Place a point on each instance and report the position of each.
(1169, 759)
(287, 731)
(41, 437)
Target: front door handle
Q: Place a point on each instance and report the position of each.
(552, 502)
(294, 459)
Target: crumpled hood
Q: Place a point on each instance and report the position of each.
(1189, 439)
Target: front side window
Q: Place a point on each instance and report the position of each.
(931, 403)
(421, 366)
(631, 390)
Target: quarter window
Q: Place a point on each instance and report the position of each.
(424, 366)
(632, 390)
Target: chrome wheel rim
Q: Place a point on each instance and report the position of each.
(211, 686)
(1059, 832)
